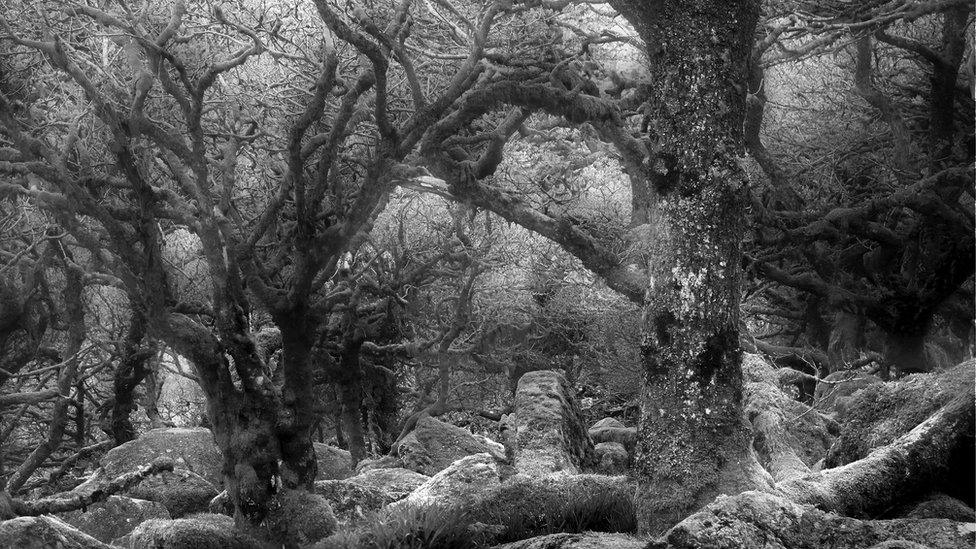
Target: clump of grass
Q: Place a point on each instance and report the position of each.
(521, 508)
(537, 510)
(437, 527)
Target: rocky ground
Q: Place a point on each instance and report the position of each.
(870, 464)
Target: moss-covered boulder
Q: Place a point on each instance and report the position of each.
(549, 432)
(612, 458)
(942, 506)
(182, 492)
(433, 445)
(210, 531)
(187, 489)
(758, 520)
(586, 540)
(192, 449)
(481, 511)
(333, 463)
(882, 412)
(114, 517)
(457, 484)
(524, 506)
(298, 518)
(44, 532)
(609, 429)
(351, 502)
(397, 483)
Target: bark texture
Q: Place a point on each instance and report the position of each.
(692, 443)
(132, 369)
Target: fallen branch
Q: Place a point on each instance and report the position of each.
(100, 493)
(32, 397)
(67, 464)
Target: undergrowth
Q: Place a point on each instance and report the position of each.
(580, 511)
(410, 528)
(511, 513)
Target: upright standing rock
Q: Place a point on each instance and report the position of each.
(549, 432)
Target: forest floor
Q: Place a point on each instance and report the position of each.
(858, 463)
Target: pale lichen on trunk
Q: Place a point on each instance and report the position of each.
(693, 443)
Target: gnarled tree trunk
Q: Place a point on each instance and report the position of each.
(257, 427)
(67, 377)
(132, 369)
(299, 466)
(693, 444)
(350, 384)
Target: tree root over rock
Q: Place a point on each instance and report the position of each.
(809, 508)
(907, 467)
(903, 469)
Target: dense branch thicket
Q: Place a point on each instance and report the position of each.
(334, 221)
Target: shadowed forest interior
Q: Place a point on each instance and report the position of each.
(538, 274)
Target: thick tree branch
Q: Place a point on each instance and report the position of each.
(100, 493)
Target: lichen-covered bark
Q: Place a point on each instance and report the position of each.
(242, 406)
(693, 444)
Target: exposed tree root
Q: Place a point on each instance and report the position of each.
(808, 507)
(904, 468)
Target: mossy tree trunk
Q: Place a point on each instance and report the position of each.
(132, 370)
(350, 384)
(693, 444)
(74, 318)
(299, 466)
(263, 431)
